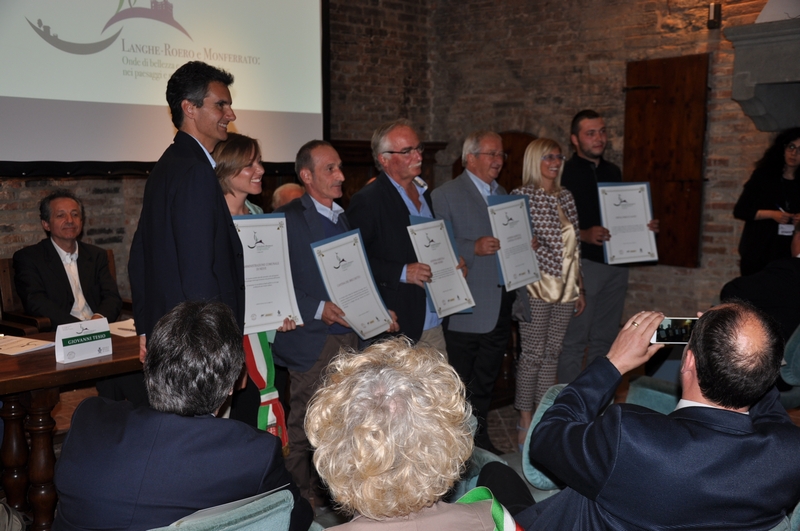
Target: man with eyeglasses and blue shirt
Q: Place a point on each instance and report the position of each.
(604, 285)
(476, 342)
(381, 211)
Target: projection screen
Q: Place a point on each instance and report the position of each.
(84, 80)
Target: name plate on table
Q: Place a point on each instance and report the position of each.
(83, 341)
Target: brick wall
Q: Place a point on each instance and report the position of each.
(522, 65)
(380, 65)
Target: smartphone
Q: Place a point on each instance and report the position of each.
(674, 330)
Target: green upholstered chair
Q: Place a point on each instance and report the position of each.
(791, 371)
(270, 513)
(653, 393)
(476, 461)
(536, 477)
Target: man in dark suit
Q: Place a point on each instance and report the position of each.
(775, 289)
(60, 277)
(307, 350)
(477, 341)
(186, 246)
(381, 212)
(138, 468)
(726, 458)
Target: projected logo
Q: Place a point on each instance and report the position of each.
(160, 11)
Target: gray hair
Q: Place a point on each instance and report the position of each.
(380, 134)
(472, 144)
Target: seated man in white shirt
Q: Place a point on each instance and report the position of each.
(68, 281)
(60, 277)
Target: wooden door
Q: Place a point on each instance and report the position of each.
(665, 126)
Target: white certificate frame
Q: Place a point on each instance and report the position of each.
(345, 272)
(448, 289)
(511, 224)
(625, 210)
(269, 288)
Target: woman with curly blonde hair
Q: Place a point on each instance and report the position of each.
(391, 428)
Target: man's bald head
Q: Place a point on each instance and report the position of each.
(738, 351)
(286, 193)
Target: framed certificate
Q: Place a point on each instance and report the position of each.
(269, 290)
(448, 288)
(348, 279)
(625, 210)
(511, 224)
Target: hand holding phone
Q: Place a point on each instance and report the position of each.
(674, 330)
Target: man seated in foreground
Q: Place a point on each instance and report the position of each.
(726, 458)
(138, 468)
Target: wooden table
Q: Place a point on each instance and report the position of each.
(29, 389)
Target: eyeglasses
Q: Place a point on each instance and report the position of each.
(550, 157)
(493, 154)
(792, 148)
(407, 151)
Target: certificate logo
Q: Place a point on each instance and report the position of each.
(341, 263)
(509, 220)
(623, 203)
(256, 241)
(432, 244)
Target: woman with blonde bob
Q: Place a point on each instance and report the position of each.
(559, 294)
(239, 172)
(391, 428)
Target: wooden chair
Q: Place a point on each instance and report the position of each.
(15, 321)
(10, 303)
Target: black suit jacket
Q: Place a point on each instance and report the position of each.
(629, 467)
(379, 212)
(43, 285)
(299, 349)
(136, 468)
(775, 290)
(186, 246)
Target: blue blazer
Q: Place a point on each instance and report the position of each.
(299, 349)
(186, 246)
(43, 285)
(379, 212)
(136, 468)
(633, 468)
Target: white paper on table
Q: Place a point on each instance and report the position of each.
(625, 210)
(124, 328)
(448, 288)
(269, 289)
(511, 224)
(11, 346)
(348, 280)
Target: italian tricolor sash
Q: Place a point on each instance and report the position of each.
(503, 521)
(258, 358)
